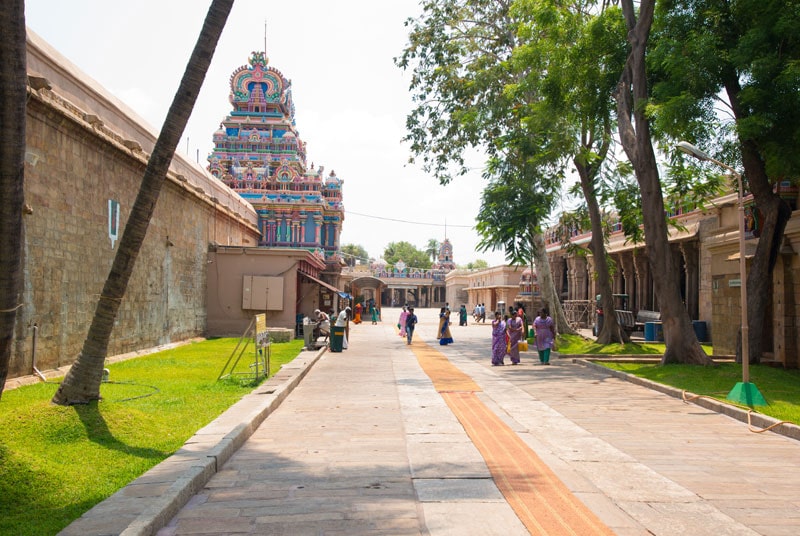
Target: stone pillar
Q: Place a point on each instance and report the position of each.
(617, 279)
(689, 250)
(557, 269)
(581, 278)
(628, 278)
(576, 277)
(570, 277)
(592, 280)
(644, 292)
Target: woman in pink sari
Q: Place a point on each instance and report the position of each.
(545, 335)
(514, 328)
(401, 323)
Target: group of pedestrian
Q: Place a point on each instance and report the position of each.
(509, 331)
(479, 313)
(407, 322)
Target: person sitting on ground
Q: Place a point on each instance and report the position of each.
(323, 322)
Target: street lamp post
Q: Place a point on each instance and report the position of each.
(743, 392)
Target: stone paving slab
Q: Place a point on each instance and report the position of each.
(151, 500)
(364, 445)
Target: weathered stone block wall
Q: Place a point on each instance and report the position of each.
(77, 163)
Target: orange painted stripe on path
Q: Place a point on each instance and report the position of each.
(445, 375)
(541, 501)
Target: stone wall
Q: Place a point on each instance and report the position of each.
(85, 149)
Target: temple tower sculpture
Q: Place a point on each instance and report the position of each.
(444, 261)
(258, 153)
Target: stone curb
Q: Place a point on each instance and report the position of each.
(148, 503)
(756, 420)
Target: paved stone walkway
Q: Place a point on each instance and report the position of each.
(366, 445)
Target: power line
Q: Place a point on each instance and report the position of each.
(408, 221)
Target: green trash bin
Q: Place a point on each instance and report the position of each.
(337, 338)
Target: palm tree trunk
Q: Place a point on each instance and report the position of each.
(82, 383)
(13, 88)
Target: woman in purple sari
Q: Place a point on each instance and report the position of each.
(514, 328)
(498, 340)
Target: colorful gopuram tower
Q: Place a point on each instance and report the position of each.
(259, 154)
(445, 261)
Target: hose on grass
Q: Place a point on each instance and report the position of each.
(749, 412)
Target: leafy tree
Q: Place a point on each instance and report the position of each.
(408, 253)
(511, 212)
(457, 51)
(569, 63)
(353, 253)
(479, 264)
(634, 129)
(13, 87)
(82, 383)
(432, 249)
(741, 57)
(466, 86)
(531, 83)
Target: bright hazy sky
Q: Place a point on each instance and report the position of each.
(351, 101)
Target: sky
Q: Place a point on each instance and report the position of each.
(351, 100)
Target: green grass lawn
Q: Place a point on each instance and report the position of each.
(780, 387)
(575, 344)
(57, 462)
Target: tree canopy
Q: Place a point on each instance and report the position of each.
(354, 254)
(408, 253)
(727, 77)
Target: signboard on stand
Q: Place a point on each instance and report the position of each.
(257, 334)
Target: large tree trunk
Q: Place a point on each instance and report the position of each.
(13, 89)
(82, 383)
(776, 214)
(634, 128)
(549, 295)
(611, 330)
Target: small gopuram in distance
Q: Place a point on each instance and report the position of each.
(258, 153)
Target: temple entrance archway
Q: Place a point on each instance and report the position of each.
(367, 288)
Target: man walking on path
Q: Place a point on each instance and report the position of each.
(411, 322)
